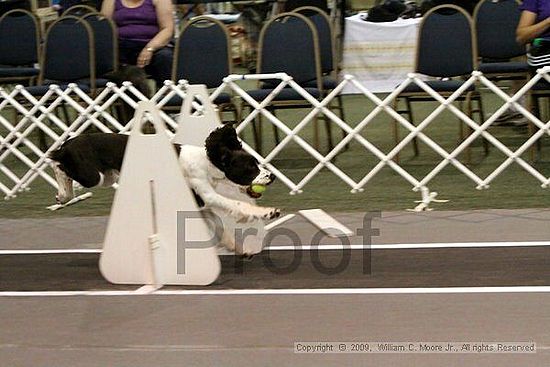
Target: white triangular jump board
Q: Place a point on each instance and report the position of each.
(141, 240)
(193, 129)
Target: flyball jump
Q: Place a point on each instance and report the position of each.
(141, 244)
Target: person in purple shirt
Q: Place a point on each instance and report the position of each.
(534, 21)
(145, 29)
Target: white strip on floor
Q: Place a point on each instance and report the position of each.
(305, 291)
(398, 246)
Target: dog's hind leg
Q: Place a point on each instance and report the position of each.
(109, 178)
(64, 185)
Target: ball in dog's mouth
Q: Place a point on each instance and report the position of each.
(252, 193)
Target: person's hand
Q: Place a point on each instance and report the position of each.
(144, 57)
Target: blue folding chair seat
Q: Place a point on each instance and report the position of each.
(284, 95)
(40, 90)
(177, 101)
(503, 67)
(327, 82)
(440, 86)
(17, 72)
(99, 82)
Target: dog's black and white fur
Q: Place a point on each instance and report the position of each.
(220, 174)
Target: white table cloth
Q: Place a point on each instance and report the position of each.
(379, 55)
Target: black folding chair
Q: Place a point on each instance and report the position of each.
(288, 43)
(329, 64)
(495, 23)
(203, 56)
(105, 45)
(68, 56)
(19, 47)
(446, 50)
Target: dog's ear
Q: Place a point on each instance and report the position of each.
(220, 144)
(229, 138)
(133, 74)
(223, 137)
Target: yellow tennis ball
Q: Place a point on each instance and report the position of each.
(258, 189)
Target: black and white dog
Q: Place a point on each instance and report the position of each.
(220, 174)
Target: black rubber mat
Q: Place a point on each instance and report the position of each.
(465, 267)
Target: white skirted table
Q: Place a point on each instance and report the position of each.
(379, 55)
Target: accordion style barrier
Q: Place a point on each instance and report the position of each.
(16, 144)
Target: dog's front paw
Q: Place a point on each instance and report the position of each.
(253, 213)
(271, 213)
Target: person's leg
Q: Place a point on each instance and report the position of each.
(160, 67)
(128, 53)
(512, 116)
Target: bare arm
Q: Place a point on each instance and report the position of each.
(527, 29)
(108, 8)
(165, 18)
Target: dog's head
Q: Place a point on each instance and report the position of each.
(226, 153)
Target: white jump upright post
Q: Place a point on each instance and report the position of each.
(141, 243)
(194, 128)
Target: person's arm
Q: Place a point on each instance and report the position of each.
(165, 18)
(108, 8)
(527, 29)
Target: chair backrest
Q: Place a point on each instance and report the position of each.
(19, 38)
(446, 45)
(293, 5)
(202, 54)
(105, 43)
(79, 10)
(322, 24)
(289, 43)
(495, 23)
(68, 53)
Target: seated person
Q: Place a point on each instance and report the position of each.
(145, 29)
(534, 21)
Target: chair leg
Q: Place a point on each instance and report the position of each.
(65, 113)
(316, 144)
(533, 103)
(340, 102)
(411, 119)
(257, 132)
(396, 130)
(328, 127)
(275, 129)
(468, 130)
(481, 116)
(236, 114)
